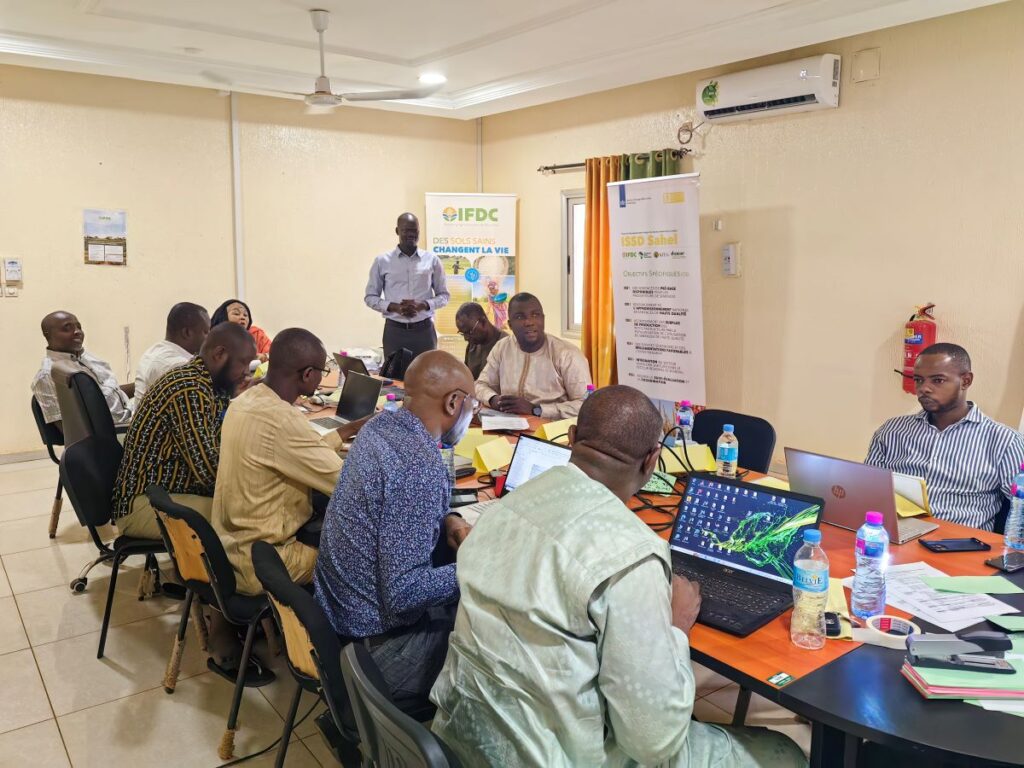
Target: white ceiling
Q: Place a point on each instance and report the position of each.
(497, 56)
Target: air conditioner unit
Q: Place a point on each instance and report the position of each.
(796, 86)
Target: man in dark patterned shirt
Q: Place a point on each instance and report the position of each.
(174, 439)
(374, 576)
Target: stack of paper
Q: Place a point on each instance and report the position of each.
(905, 589)
(504, 423)
(911, 495)
(957, 684)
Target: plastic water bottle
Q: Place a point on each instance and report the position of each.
(872, 553)
(390, 403)
(810, 593)
(448, 456)
(684, 420)
(590, 391)
(1014, 531)
(728, 455)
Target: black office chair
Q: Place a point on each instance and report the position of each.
(204, 569)
(88, 470)
(51, 436)
(312, 649)
(387, 736)
(756, 436)
(83, 408)
(999, 522)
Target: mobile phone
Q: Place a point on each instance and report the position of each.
(1010, 562)
(955, 545)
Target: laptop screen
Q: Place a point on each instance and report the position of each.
(349, 364)
(745, 526)
(532, 457)
(358, 396)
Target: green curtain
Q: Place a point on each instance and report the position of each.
(647, 165)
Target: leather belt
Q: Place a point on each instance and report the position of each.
(410, 326)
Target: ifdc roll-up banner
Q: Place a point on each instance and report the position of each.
(474, 235)
(655, 261)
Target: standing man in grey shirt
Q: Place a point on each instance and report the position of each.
(407, 286)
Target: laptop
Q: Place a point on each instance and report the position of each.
(851, 489)
(531, 457)
(347, 365)
(358, 399)
(738, 540)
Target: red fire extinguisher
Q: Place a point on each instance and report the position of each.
(918, 335)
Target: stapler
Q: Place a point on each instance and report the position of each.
(980, 651)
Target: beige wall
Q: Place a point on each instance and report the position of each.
(910, 192)
(69, 142)
(320, 197)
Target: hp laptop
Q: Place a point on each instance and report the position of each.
(532, 457)
(349, 365)
(851, 489)
(358, 399)
(738, 540)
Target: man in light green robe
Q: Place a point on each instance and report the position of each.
(569, 647)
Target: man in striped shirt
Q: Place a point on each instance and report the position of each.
(968, 460)
(174, 439)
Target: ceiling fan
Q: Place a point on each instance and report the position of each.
(323, 98)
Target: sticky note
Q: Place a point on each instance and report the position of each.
(492, 455)
(1009, 623)
(973, 585)
(557, 431)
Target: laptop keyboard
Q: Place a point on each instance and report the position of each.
(910, 527)
(730, 602)
(328, 422)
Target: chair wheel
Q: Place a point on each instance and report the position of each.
(78, 585)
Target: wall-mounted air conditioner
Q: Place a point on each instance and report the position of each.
(796, 86)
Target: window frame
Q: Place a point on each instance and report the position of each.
(570, 198)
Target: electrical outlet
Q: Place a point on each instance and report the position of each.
(11, 291)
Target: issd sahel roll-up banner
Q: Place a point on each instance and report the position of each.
(474, 235)
(654, 226)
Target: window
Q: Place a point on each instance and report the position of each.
(574, 217)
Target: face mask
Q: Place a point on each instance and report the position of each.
(460, 427)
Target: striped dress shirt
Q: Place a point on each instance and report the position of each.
(969, 466)
(174, 439)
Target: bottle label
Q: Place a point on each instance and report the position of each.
(810, 581)
(870, 548)
(728, 453)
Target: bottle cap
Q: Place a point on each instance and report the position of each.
(812, 535)
(391, 397)
(684, 403)
(727, 428)
(590, 387)
(344, 353)
(873, 518)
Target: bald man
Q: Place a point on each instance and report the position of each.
(407, 286)
(174, 439)
(64, 346)
(186, 329)
(374, 577)
(272, 460)
(570, 646)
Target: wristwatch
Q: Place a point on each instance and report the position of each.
(536, 410)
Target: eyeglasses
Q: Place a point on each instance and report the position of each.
(476, 403)
(323, 371)
(467, 334)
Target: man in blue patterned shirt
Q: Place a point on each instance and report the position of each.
(374, 574)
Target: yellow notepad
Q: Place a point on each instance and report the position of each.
(699, 456)
(487, 452)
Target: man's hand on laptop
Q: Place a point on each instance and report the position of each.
(456, 530)
(348, 431)
(685, 603)
(512, 404)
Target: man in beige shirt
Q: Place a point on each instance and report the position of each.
(531, 373)
(271, 459)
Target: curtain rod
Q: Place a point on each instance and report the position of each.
(682, 152)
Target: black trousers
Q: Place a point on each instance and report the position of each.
(419, 339)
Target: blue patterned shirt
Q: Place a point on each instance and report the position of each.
(968, 466)
(374, 570)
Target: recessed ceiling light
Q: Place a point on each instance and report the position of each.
(433, 78)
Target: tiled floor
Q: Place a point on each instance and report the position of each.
(60, 706)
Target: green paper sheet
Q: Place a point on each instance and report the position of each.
(973, 585)
(1009, 623)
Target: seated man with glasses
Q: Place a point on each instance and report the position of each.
(480, 334)
(375, 577)
(271, 460)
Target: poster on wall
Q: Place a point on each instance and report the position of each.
(474, 235)
(106, 236)
(656, 285)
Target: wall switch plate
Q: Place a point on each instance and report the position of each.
(731, 259)
(867, 65)
(11, 291)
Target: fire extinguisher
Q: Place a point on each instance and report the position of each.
(918, 335)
